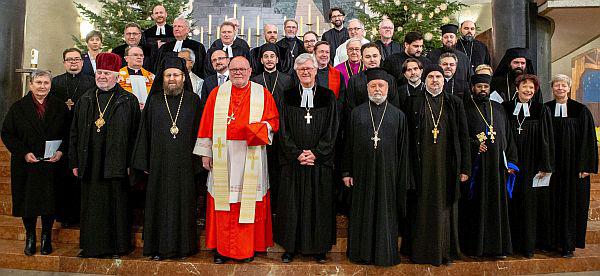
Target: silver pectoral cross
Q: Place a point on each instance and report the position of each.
(375, 140)
(520, 129)
(308, 117)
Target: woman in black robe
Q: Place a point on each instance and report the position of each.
(531, 127)
(577, 148)
(29, 123)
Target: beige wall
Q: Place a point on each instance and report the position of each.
(49, 25)
(563, 65)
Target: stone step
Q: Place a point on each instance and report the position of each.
(5, 186)
(64, 259)
(594, 212)
(5, 204)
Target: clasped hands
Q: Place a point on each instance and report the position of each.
(307, 158)
(31, 158)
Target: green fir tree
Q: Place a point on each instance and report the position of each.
(425, 16)
(115, 14)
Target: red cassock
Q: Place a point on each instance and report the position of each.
(223, 231)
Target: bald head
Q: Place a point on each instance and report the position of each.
(159, 15)
(271, 33)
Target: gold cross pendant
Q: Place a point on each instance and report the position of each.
(435, 133)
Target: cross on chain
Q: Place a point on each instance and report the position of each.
(492, 134)
(375, 139)
(519, 129)
(219, 145)
(435, 132)
(70, 104)
(308, 117)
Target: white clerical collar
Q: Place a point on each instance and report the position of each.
(560, 110)
(522, 106)
(432, 94)
(307, 97)
(178, 45)
(160, 30)
(416, 84)
(271, 71)
(448, 79)
(227, 49)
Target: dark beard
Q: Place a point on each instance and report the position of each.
(446, 49)
(468, 38)
(516, 72)
(481, 97)
(172, 92)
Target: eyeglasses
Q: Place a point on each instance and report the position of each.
(387, 28)
(354, 29)
(172, 75)
(310, 41)
(353, 49)
(73, 59)
(238, 70)
(132, 34)
(305, 69)
(219, 59)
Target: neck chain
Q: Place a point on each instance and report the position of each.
(293, 48)
(349, 69)
(231, 117)
(100, 121)
(470, 52)
(174, 129)
(520, 128)
(508, 90)
(308, 117)
(435, 130)
(489, 125)
(70, 103)
(375, 137)
(408, 84)
(274, 84)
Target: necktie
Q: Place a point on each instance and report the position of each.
(222, 79)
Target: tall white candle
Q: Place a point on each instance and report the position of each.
(250, 36)
(202, 35)
(210, 24)
(242, 26)
(301, 23)
(309, 15)
(257, 23)
(234, 10)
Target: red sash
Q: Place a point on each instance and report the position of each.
(334, 81)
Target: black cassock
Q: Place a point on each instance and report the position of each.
(433, 211)
(476, 51)
(393, 64)
(356, 92)
(529, 207)
(576, 149)
(457, 87)
(170, 214)
(276, 82)
(335, 38)
(305, 221)
(102, 159)
(167, 50)
(34, 185)
(484, 224)
(381, 178)
(69, 86)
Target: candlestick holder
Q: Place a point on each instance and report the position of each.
(209, 35)
(309, 26)
(257, 39)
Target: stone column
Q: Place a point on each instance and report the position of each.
(543, 55)
(12, 27)
(509, 25)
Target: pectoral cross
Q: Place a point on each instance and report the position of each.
(308, 117)
(219, 145)
(519, 129)
(492, 134)
(435, 133)
(70, 104)
(375, 139)
(253, 158)
(230, 118)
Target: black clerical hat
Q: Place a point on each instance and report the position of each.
(481, 78)
(449, 28)
(269, 47)
(376, 73)
(166, 63)
(430, 68)
(517, 52)
(174, 62)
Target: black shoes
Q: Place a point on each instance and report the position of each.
(247, 260)
(219, 259)
(568, 254)
(528, 255)
(287, 257)
(46, 246)
(29, 244)
(321, 258)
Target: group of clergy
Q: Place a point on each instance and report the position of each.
(439, 150)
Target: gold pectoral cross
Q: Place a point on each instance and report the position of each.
(492, 134)
(219, 145)
(435, 133)
(70, 104)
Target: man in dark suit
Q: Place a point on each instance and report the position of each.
(387, 46)
(219, 61)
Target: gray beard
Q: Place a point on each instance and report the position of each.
(378, 99)
(173, 92)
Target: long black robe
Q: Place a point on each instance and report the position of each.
(64, 87)
(305, 221)
(475, 50)
(457, 87)
(34, 185)
(335, 38)
(291, 49)
(278, 82)
(484, 222)
(433, 216)
(170, 214)
(576, 149)
(405, 91)
(167, 50)
(381, 178)
(389, 49)
(102, 159)
(239, 47)
(393, 64)
(356, 92)
(529, 207)
(120, 50)
(463, 66)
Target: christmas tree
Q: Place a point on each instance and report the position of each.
(425, 16)
(115, 14)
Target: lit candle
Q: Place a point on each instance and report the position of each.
(242, 26)
(309, 15)
(225, 18)
(257, 36)
(35, 55)
(218, 32)
(249, 36)
(301, 23)
(257, 23)
(209, 24)
(234, 10)
(202, 35)
(284, 18)
(318, 24)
